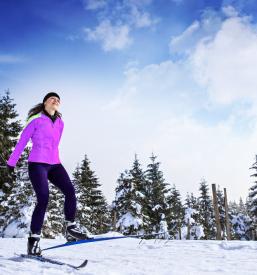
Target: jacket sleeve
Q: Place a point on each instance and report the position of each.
(23, 140)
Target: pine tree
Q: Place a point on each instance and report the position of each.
(240, 220)
(206, 212)
(9, 131)
(193, 203)
(192, 218)
(20, 202)
(156, 191)
(127, 210)
(175, 213)
(250, 232)
(140, 197)
(242, 206)
(53, 225)
(92, 209)
(252, 202)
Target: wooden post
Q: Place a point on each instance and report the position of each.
(179, 230)
(179, 233)
(216, 211)
(226, 215)
(188, 230)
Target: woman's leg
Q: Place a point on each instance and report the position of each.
(38, 177)
(60, 178)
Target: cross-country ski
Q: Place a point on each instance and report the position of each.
(52, 261)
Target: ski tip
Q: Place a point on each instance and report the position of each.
(83, 264)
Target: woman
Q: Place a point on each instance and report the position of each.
(44, 127)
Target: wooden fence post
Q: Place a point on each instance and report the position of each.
(216, 211)
(188, 230)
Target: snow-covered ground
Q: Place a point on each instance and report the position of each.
(127, 256)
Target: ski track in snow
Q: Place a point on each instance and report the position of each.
(128, 257)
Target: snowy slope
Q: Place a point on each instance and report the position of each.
(127, 256)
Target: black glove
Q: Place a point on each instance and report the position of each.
(10, 169)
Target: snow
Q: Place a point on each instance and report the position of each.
(128, 220)
(127, 257)
(119, 194)
(141, 195)
(136, 206)
(19, 227)
(188, 215)
(156, 207)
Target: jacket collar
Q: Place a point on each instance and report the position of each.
(53, 118)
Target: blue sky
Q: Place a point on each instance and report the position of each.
(174, 77)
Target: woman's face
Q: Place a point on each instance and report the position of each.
(53, 103)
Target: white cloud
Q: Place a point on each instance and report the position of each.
(94, 4)
(221, 50)
(112, 37)
(120, 19)
(180, 43)
(188, 151)
(165, 85)
(208, 25)
(230, 11)
(141, 19)
(226, 64)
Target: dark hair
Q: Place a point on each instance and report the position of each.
(40, 107)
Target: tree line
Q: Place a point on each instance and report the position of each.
(144, 202)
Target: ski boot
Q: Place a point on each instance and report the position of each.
(73, 233)
(33, 247)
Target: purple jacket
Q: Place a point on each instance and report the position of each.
(45, 136)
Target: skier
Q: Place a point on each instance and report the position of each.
(44, 126)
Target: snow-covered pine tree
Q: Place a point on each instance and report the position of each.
(10, 128)
(156, 192)
(252, 202)
(92, 209)
(250, 232)
(242, 206)
(140, 199)
(194, 230)
(20, 202)
(175, 213)
(53, 225)
(128, 211)
(240, 220)
(192, 202)
(206, 212)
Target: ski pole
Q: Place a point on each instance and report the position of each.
(2, 157)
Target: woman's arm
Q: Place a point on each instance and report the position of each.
(24, 138)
